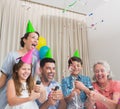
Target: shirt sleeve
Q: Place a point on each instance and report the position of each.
(116, 86)
(8, 64)
(34, 68)
(87, 82)
(66, 91)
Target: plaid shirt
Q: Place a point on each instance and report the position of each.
(67, 85)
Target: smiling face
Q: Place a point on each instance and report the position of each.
(75, 65)
(48, 72)
(31, 41)
(24, 72)
(101, 73)
(75, 68)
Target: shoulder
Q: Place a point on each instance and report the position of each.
(12, 53)
(83, 77)
(9, 61)
(115, 85)
(114, 81)
(12, 56)
(86, 80)
(55, 83)
(66, 79)
(11, 83)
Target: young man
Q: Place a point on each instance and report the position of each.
(75, 95)
(54, 98)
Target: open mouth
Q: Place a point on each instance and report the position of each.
(25, 75)
(100, 77)
(50, 76)
(33, 45)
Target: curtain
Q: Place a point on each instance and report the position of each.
(64, 32)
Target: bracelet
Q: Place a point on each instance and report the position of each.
(104, 99)
(94, 106)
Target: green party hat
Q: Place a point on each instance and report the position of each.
(76, 54)
(30, 27)
(48, 54)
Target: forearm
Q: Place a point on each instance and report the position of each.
(118, 106)
(17, 100)
(89, 104)
(45, 105)
(62, 104)
(110, 104)
(86, 90)
(79, 85)
(68, 98)
(3, 78)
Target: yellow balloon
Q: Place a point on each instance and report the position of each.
(41, 42)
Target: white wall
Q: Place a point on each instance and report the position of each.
(104, 42)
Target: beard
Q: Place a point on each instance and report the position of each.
(46, 79)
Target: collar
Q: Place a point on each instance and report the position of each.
(106, 89)
(74, 78)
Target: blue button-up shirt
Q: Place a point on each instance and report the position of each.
(67, 85)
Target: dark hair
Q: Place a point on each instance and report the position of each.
(25, 37)
(74, 59)
(18, 85)
(46, 60)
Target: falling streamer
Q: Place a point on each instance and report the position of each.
(70, 5)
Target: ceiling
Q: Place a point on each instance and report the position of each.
(79, 6)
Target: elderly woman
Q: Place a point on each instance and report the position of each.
(106, 91)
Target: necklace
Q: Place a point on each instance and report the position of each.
(102, 87)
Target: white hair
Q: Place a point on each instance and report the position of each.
(106, 66)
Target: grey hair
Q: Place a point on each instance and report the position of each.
(107, 69)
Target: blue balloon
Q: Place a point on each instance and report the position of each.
(42, 52)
